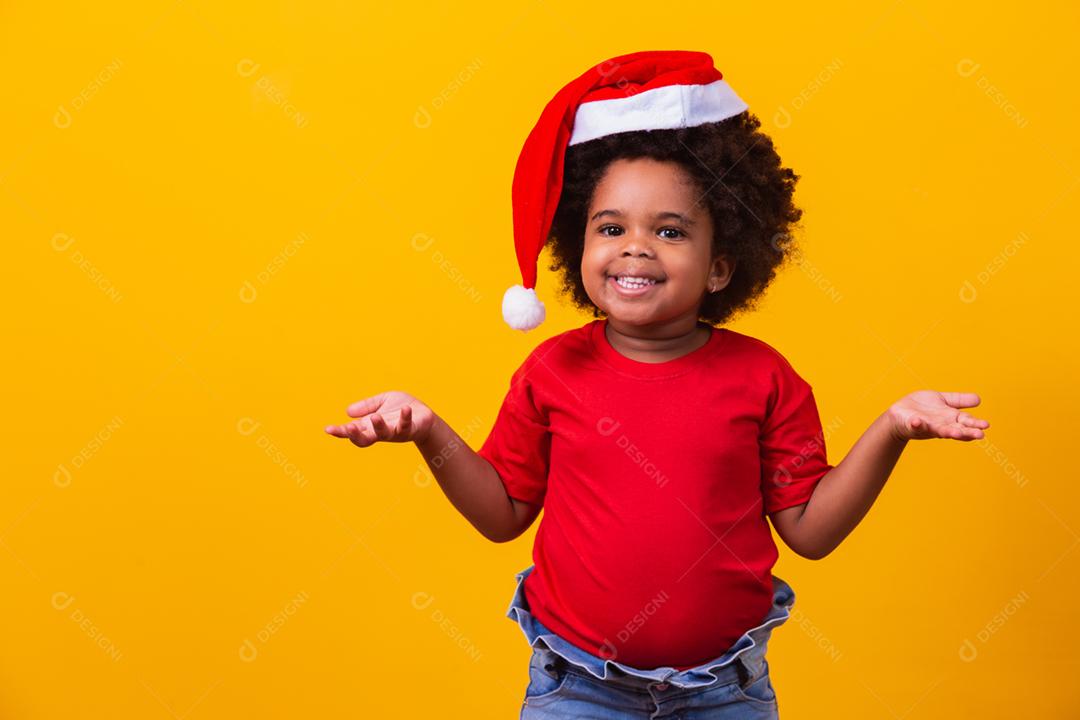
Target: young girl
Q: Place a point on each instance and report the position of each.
(659, 445)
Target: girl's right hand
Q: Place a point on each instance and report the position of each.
(389, 417)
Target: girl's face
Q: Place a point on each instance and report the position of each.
(645, 223)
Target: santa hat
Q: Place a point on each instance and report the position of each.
(650, 90)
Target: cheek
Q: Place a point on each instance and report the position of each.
(593, 265)
(593, 282)
(593, 262)
(690, 268)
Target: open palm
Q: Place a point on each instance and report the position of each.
(931, 414)
(390, 416)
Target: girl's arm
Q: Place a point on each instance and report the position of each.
(469, 481)
(844, 495)
(473, 486)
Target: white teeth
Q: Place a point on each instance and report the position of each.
(634, 282)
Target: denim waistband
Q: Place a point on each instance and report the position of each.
(748, 651)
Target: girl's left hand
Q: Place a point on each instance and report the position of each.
(931, 414)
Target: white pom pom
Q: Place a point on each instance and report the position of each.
(521, 309)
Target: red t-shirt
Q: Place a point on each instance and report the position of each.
(654, 548)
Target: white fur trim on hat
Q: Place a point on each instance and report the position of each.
(663, 108)
(521, 309)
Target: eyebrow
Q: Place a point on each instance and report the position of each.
(658, 216)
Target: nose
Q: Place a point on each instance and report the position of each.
(637, 243)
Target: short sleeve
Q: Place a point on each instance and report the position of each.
(793, 457)
(519, 444)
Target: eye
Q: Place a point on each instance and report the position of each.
(677, 231)
(602, 228)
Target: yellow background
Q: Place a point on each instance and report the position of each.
(226, 223)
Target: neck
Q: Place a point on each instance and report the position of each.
(657, 343)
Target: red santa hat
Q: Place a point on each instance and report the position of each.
(649, 90)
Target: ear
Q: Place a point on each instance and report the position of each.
(723, 267)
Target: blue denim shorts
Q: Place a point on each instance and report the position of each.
(568, 682)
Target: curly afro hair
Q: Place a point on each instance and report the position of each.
(737, 171)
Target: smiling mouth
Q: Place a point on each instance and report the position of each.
(631, 286)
